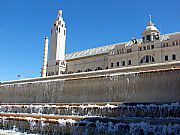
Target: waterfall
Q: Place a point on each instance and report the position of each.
(115, 118)
(110, 104)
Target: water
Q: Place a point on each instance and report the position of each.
(55, 106)
(103, 86)
(87, 119)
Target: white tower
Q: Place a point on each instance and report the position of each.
(44, 65)
(56, 59)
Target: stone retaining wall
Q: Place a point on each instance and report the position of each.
(150, 84)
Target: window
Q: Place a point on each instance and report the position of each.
(56, 72)
(140, 48)
(57, 62)
(148, 47)
(144, 47)
(128, 50)
(121, 51)
(118, 52)
(165, 45)
(123, 63)
(156, 37)
(70, 72)
(59, 30)
(117, 64)
(98, 68)
(52, 73)
(148, 38)
(173, 57)
(176, 42)
(129, 62)
(166, 57)
(88, 70)
(173, 43)
(61, 72)
(147, 59)
(112, 64)
(79, 71)
(64, 32)
(152, 46)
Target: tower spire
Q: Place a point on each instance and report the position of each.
(150, 18)
(59, 13)
(150, 21)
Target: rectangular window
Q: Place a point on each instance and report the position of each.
(173, 57)
(118, 52)
(112, 64)
(148, 37)
(173, 43)
(176, 42)
(165, 45)
(148, 47)
(152, 46)
(57, 62)
(129, 62)
(144, 47)
(128, 50)
(140, 48)
(166, 57)
(117, 64)
(123, 63)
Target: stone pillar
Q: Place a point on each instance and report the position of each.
(44, 65)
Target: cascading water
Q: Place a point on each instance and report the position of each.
(55, 106)
(114, 118)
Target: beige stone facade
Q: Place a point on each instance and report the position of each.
(152, 48)
(132, 53)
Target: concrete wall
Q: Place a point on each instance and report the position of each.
(102, 86)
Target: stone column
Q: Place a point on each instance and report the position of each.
(44, 65)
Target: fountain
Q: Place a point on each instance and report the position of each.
(89, 119)
(103, 102)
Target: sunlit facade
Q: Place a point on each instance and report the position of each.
(150, 49)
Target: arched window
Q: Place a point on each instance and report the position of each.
(98, 68)
(147, 59)
(79, 71)
(88, 70)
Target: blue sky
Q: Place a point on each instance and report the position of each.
(89, 23)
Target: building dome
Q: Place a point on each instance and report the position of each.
(151, 33)
(150, 28)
